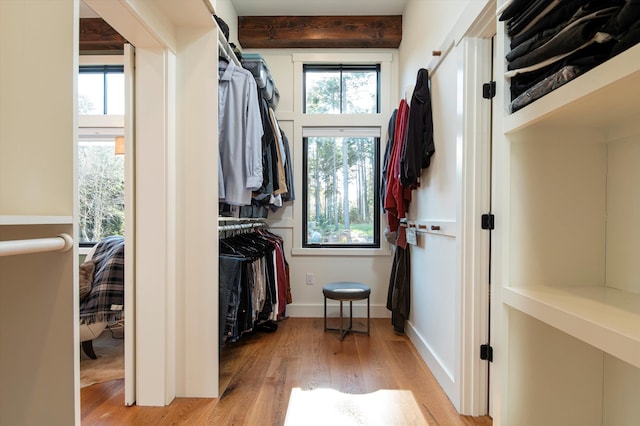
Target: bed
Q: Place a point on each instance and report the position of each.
(101, 290)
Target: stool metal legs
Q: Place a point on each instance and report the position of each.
(343, 331)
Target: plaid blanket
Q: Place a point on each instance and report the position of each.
(105, 301)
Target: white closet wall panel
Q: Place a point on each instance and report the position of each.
(39, 362)
(435, 298)
(37, 108)
(620, 392)
(433, 315)
(538, 355)
(623, 211)
(436, 197)
(558, 198)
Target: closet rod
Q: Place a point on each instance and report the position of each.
(241, 226)
(62, 242)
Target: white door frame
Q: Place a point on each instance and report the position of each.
(129, 228)
(474, 245)
(176, 299)
(472, 42)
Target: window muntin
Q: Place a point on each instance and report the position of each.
(341, 89)
(340, 169)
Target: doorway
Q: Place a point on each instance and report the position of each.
(106, 200)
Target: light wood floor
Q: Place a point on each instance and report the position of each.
(259, 373)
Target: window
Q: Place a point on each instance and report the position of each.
(101, 90)
(100, 166)
(100, 187)
(341, 130)
(340, 172)
(341, 89)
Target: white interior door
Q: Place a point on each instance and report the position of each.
(130, 218)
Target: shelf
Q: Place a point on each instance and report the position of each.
(605, 318)
(35, 220)
(602, 98)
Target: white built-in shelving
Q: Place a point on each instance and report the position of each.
(601, 98)
(569, 270)
(606, 318)
(35, 220)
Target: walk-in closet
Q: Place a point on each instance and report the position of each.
(261, 138)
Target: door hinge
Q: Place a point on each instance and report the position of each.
(489, 90)
(488, 221)
(486, 353)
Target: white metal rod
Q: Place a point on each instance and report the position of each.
(62, 242)
(241, 226)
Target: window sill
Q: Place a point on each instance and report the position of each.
(365, 252)
(84, 250)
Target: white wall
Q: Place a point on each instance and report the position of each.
(39, 362)
(425, 25)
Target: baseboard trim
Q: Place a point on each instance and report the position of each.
(445, 378)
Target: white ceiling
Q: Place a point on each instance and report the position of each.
(318, 7)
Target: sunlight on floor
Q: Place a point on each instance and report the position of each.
(330, 407)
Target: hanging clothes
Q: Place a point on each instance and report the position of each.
(290, 194)
(240, 134)
(276, 180)
(399, 293)
(254, 283)
(391, 129)
(397, 197)
(419, 146)
(409, 151)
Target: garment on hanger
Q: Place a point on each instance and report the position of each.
(240, 134)
(276, 182)
(397, 197)
(391, 128)
(418, 146)
(254, 283)
(399, 294)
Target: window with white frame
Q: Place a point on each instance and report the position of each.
(342, 101)
(100, 152)
(340, 173)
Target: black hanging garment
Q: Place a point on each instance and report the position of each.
(418, 146)
(399, 295)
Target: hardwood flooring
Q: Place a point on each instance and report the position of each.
(259, 374)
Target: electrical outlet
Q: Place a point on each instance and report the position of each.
(310, 278)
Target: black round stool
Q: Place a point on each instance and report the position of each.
(346, 291)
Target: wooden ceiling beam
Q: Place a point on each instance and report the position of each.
(98, 36)
(263, 32)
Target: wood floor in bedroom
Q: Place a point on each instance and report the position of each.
(300, 375)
